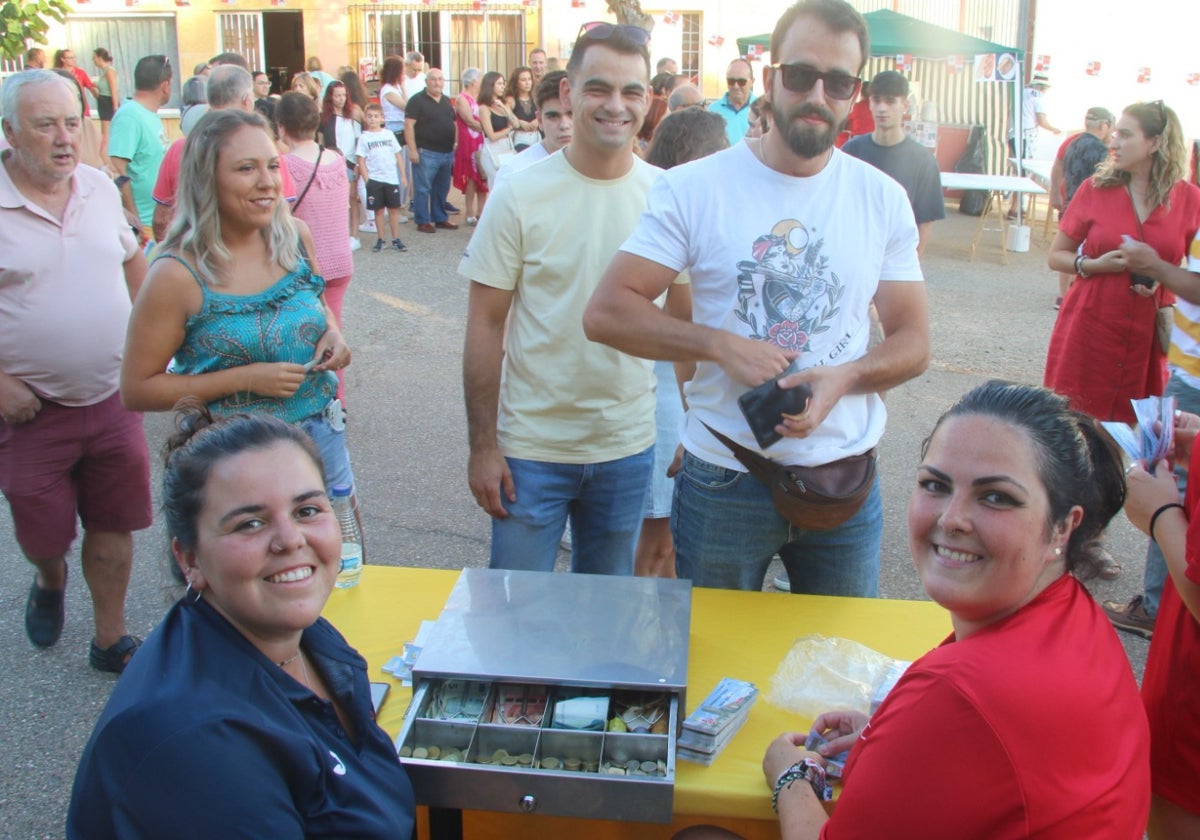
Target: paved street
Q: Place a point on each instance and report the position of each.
(404, 318)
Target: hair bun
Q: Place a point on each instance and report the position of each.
(191, 417)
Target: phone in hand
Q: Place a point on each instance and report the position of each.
(765, 406)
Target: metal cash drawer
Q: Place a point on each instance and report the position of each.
(515, 657)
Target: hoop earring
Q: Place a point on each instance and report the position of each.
(189, 591)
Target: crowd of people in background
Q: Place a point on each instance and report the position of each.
(606, 359)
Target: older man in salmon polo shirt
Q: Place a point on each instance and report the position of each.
(69, 269)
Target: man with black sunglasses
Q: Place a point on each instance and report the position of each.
(734, 106)
(561, 428)
(784, 265)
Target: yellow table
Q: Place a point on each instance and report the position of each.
(737, 634)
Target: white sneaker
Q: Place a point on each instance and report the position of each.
(367, 226)
(472, 221)
(354, 244)
(403, 219)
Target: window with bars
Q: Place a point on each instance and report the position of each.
(690, 45)
(454, 37)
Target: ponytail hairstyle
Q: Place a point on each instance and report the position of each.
(1078, 463)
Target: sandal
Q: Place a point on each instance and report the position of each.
(113, 659)
(45, 614)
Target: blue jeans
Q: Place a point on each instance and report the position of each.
(431, 178)
(331, 443)
(602, 501)
(1154, 577)
(727, 530)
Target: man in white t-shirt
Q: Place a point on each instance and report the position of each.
(784, 268)
(555, 120)
(561, 428)
(414, 73)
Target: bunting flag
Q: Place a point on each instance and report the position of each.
(754, 51)
(904, 63)
(1193, 79)
(1093, 68)
(1143, 75)
(577, 4)
(671, 18)
(131, 3)
(529, 4)
(1041, 64)
(183, 2)
(716, 40)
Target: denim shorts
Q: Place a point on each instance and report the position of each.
(331, 443)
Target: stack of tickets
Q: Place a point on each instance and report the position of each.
(709, 728)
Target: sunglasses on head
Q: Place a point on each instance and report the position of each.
(800, 78)
(599, 30)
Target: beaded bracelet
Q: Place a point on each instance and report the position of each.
(1079, 266)
(806, 769)
(1161, 510)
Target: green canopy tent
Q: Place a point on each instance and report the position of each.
(895, 34)
(960, 99)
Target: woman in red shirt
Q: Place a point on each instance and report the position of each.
(1169, 687)
(1025, 721)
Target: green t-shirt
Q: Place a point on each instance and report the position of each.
(137, 135)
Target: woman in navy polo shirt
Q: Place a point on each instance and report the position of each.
(245, 714)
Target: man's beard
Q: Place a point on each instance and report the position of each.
(805, 140)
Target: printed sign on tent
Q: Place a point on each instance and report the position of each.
(955, 63)
(754, 51)
(1041, 64)
(904, 62)
(985, 68)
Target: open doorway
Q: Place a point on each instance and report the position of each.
(283, 46)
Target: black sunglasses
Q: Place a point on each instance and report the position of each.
(800, 78)
(599, 30)
(731, 81)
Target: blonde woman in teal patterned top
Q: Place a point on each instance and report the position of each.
(235, 298)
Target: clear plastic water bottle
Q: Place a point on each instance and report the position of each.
(352, 544)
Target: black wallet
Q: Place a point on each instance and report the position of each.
(765, 406)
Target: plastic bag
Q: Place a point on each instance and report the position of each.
(821, 674)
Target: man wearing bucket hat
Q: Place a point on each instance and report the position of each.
(1033, 117)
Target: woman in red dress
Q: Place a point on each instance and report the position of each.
(466, 175)
(1104, 350)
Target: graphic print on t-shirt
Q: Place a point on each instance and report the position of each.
(787, 293)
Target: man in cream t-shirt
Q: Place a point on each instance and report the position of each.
(561, 427)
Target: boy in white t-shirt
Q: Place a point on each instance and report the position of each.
(380, 163)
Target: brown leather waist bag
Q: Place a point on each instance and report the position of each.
(816, 498)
